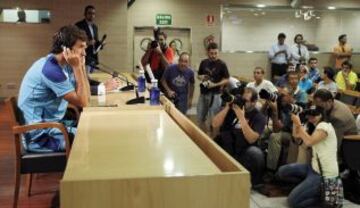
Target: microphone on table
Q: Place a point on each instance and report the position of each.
(136, 100)
(129, 86)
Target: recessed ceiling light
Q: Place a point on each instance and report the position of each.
(318, 17)
(260, 5)
(331, 7)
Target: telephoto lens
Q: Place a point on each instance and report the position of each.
(293, 108)
(313, 111)
(266, 95)
(227, 97)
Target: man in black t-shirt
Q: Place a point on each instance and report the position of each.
(214, 76)
(240, 128)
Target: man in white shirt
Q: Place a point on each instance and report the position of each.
(260, 83)
(299, 52)
(279, 55)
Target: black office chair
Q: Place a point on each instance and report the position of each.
(29, 163)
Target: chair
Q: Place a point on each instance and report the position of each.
(350, 149)
(30, 163)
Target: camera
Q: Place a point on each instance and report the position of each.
(313, 111)
(266, 95)
(293, 108)
(234, 97)
(311, 90)
(204, 87)
(155, 43)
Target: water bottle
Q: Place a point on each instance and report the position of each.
(154, 93)
(101, 93)
(141, 81)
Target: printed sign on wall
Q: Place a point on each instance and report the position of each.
(163, 19)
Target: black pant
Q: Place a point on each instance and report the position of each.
(278, 70)
(250, 156)
(253, 159)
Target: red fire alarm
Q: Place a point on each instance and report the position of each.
(210, 20)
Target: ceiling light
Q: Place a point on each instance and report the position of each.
(260, 5)
(331, 7)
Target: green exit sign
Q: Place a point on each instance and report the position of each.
(163, 19)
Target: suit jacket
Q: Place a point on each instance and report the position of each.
(91, 58)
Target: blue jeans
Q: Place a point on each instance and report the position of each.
(182, 104)
(50, 140)
(307, 192)
(208, 105)
(253, 159)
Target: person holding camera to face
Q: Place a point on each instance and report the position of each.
(319, 134)
(214, 76)
(290, 100)
(241, 125)
(158, 55)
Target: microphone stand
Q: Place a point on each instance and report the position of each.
(129, 86)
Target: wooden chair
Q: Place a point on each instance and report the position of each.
(30, 163)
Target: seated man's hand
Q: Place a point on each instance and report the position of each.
(112, 84)
(73, 59)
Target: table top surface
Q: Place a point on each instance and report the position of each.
(119, 144)
(117, 98)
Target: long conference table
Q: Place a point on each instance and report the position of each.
(142, 156)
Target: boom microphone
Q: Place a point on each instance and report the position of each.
(101, 44)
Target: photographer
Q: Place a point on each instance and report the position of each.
(214, 75)
(339, 114)
(241, 125)
(281, 139)
(320, 135)
(159, 56)
(178, 81)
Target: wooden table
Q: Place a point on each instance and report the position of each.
(149, 157)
